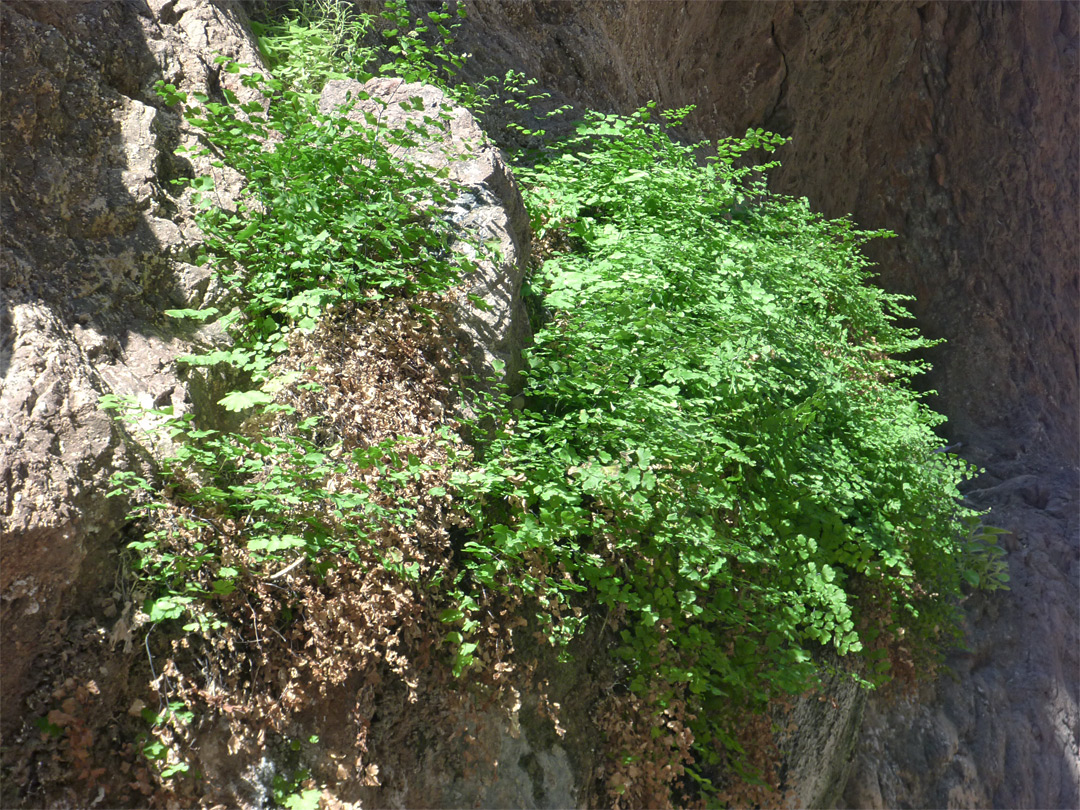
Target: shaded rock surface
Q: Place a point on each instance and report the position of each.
(818, 738)
(955, 125)
(1000, 730)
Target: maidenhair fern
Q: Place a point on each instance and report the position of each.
(720, 443)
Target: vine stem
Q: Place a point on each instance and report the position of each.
(290, 567)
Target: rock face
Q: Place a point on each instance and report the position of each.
(1000, 730)
(955, 125)
(819, 751)
(95, 245)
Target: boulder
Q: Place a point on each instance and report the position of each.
(488, 211)
(97, 242)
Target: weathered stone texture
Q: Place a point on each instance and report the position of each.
(818, 739)
(999, 730)
(95, 244)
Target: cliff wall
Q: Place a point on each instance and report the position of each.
(954, 125)
(96, 244)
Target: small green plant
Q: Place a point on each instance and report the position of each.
(319, 41)
(418, 51)
(290, 796)
(719, 442)
(331, 214)
(984, 564)
(159, 741)
(292, 791)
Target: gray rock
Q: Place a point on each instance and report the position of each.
(818, 738)
(488, 210)
(1001, 728)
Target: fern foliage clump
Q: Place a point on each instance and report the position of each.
(720, 448)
